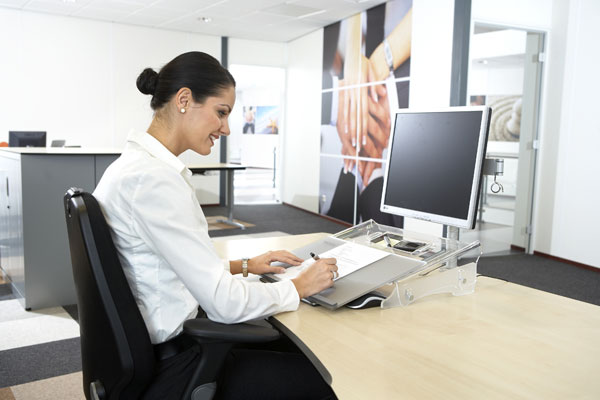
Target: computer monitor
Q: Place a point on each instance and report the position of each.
(26, 139)
(435, 163)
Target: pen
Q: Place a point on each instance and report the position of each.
(387, 241)
(314, 256)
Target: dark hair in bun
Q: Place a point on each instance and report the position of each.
(200, 72)
(146, 82)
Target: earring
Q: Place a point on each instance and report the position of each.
(182, 110)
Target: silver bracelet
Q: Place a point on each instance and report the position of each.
(389, 57)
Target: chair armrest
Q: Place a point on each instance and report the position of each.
(205, 330)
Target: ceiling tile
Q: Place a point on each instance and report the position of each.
(103, 14)
(226, 10)
(291, 10)
(166, 14)
(260, 19)
(54, 6)
(115, 5)
(143, 20)
(272, 20)
(13, 3)
(183, 5)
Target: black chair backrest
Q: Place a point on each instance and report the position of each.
(115, 346)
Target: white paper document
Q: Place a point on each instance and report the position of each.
(350, 257)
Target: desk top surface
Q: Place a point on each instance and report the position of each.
(61, 150)
(503, 341)
(215, 166)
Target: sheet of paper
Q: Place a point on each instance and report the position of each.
(350, 257)
(292, 272)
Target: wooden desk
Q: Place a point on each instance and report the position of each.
(505, 341)
(230, 170)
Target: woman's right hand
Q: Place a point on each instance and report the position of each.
(319, 276)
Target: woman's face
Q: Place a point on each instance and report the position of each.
(206, 122)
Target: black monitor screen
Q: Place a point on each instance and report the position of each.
(26, 139)
(434, 165)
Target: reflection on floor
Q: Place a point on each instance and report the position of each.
(495, 239)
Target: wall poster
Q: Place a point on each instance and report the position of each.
(366, 75)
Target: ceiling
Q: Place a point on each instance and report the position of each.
(272, 20)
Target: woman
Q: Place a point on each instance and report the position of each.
(160, 231)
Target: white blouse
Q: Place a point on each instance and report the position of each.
(161, 236)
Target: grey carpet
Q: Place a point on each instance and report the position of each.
(41, 361)
(274, 217)
(544, 274)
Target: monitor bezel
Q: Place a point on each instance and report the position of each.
(18, 135)
(469, 222)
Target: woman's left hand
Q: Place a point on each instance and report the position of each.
(262, 264)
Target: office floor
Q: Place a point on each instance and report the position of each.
(40, 353)
(40, 356)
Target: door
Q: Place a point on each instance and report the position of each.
(505, 73)
(528, 144)
(256, 126)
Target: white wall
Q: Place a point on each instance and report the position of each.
(257, 52)
(516, 13)
(566, 212)
(56, 79)
(550, 129)
(430, 68)
(301, 144)
(431, 53)
(75, 79)
(576, 211)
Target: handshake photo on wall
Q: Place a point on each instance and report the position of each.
(366, 76)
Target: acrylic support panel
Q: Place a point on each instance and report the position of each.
(450, 266)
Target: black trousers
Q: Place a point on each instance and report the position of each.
(276, 370)
(266, 374)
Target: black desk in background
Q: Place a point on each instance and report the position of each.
(230, 170)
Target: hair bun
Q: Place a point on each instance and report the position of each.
(146, 82)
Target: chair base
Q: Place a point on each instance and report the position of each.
(205, 392)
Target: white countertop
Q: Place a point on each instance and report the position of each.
(61, 150)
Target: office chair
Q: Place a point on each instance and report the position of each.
(117, 356)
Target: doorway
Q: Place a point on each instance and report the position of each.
(256, 131)
(505, 73)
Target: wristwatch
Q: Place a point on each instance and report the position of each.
(245, 267)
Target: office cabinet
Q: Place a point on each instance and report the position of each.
(34, 249)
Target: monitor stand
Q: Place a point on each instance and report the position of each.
(441, 272)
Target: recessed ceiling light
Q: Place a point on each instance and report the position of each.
(69, 1)
(205, 19)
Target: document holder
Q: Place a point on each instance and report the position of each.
(448, 266)
(418, 265)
